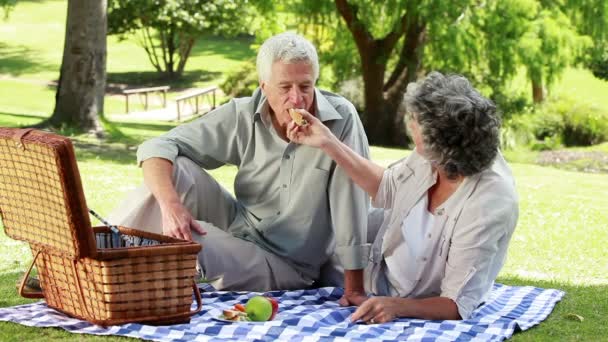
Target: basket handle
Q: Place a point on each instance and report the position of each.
(199, 300)
(29, 294)
(18, 137)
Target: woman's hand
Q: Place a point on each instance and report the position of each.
(178, 222)
(378, 310)
(314, 133)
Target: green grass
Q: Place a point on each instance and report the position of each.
(584, 86)
(558, 242)
(31, 48)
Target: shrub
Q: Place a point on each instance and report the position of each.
(558, 122)
(583, 125)
(241, 82)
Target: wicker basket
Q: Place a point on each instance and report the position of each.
(88, 272)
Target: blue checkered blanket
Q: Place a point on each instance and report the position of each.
(313, 315)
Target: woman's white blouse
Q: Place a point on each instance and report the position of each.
(465, 247)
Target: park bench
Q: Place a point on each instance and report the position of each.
(194, 96)
(145, 92)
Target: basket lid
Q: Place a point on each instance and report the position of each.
(41, 196)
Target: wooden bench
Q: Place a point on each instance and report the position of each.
(145, 92)
(205, 93)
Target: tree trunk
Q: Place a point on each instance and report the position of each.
(382, 119)
(376, 119)
(82, 80)
(538, 94)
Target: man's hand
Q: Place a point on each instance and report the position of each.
(378, 310)
(178, 222)
(353, 298)
(354, 294)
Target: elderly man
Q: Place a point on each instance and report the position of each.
(294, 208)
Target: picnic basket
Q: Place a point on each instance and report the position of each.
(89, 273)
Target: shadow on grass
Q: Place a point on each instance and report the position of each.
(19, 120)
(28, 116)
(189, 79)
(118, 146)
(116, 153)
(587, 301)
(160, 127)
(17, 59)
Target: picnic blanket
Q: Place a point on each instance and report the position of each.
(313, 315)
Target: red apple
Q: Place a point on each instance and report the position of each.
(275, 307)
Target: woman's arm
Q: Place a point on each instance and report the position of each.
(365, 173)
(386, 309)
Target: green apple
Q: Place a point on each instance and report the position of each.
(258, 309)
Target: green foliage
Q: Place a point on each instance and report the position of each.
(551, 45)
(599, 63)
(168, 29)
(558, 122)
(7, 6)
(242, 81)
(584, 126)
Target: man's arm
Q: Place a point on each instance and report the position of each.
(349, 206)
(386, 309)
(354, 292)
(209, 141)
(177, 220)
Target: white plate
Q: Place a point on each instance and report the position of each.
(229, 321)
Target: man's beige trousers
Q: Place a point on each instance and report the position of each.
(227, 262)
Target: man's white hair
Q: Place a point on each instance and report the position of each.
(288, 48)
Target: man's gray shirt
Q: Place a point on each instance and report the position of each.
(293, 199)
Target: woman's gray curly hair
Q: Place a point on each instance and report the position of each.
(460, 128)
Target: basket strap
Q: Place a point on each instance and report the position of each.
(18, 136)
(29, 294)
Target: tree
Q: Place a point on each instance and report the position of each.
(591, 18)
(548, 48)
(80, 93)
(168, 29)
(7, 6)
(391, 43)
(377, 41)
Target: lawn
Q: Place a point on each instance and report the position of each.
(31, 47)
(558, 242)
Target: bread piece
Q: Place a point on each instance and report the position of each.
(297, 117)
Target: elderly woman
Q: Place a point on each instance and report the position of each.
(448, 211)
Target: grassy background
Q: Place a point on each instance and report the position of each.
(557, 244)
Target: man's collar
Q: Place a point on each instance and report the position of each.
(323, 109)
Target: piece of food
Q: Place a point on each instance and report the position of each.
(258, 309)
(297, 117)
(239, 307)
(275, 307)
(234, 315)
